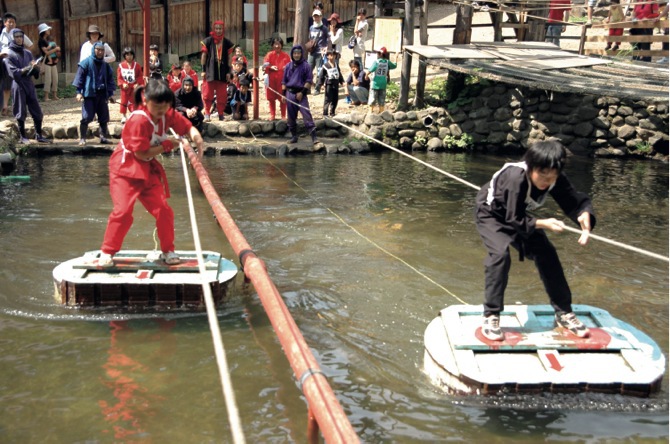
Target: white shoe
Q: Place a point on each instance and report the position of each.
(664, 61)
(171, 258)
(105, 260)
(123, 120)
(491, 328)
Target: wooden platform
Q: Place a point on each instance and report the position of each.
(141, 278)
(536, 356)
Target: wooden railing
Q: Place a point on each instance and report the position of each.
(631, 40)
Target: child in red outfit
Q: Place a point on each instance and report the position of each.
(174, 78)
(187, 71)
(128, 76)
(134, 173)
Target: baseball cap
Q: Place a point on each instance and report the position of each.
(316, 12)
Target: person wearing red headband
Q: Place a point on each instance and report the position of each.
(215, 69)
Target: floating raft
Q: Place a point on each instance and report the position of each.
(141, 278)
(536, 356)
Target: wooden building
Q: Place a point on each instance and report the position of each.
(177, 26)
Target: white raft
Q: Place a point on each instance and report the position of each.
(536, 356)
(142, 278)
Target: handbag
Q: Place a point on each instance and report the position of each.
(352, 42)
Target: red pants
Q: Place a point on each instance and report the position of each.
(616, 31)
(126, 102)
(151, 193)
(208, 91)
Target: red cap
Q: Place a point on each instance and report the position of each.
(382, 50)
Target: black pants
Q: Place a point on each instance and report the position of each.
(537, 248)
(330, 100)
(642, 46)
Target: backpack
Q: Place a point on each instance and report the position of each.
(352, 42)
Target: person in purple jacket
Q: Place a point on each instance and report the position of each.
(21, 66)
(296, 84)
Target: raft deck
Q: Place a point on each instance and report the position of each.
(537, 356)
(141, 278)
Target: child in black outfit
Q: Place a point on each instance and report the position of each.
(331, 76)
(241, 100)
(502, 220)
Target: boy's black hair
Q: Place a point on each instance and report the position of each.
(318, 5)
(155, 91)
(8, 15)
(276, 39)
(355, 62)
(362, 11)
(546, 155)
(244, 81)
(128, 50)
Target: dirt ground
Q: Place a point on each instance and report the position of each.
(67, 111)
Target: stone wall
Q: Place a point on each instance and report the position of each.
(507, 117)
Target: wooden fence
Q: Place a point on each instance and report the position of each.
(631, 40)
(177, 26)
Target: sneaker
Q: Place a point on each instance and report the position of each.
(588, 23)
(570, 322)
(207, 118)
(484, 8)
(294, 139)
(314, 139)
(105, 260)
(615, 47)
(123, 120)
(24, 141)
(664, 61)
(105, 141)
(491, 328)
(171, 258)
(82, 142)
(41, 139)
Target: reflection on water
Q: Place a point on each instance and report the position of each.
(365, 251)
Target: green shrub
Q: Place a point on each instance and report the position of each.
(458, 143)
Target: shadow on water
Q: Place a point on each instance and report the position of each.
(365, 251)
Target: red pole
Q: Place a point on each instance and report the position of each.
(334, 424)
(256, 85)
(146, 38)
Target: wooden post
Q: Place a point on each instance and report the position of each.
(462, 36)
(582, 39)
(301, 28)
(423, 38)
(408, 39)
(496, 21)
(463, 30)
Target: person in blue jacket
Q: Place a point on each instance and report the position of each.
(503, 220)
(21, 67)
(95, 84)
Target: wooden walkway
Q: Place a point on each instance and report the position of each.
(544, 66)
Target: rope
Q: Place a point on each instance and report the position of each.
(477, 188)
(224, 373)
(367, 239)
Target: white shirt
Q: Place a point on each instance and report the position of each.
(6, 39)
(359, 49)
(87, 47)
(337, 39)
